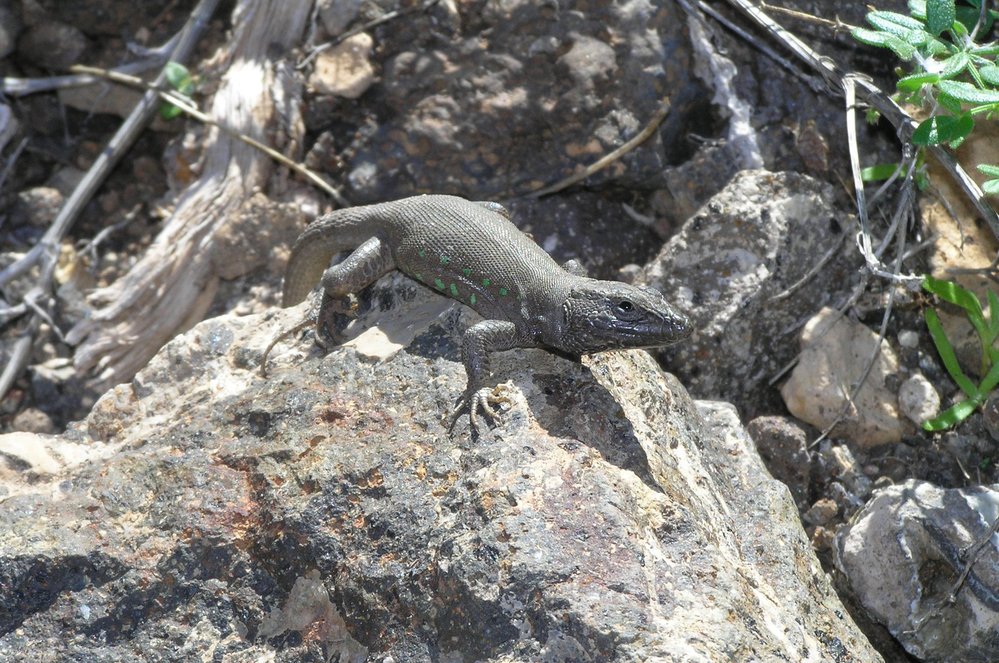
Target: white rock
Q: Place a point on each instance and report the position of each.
(908, 338)
(903, 555)
(918, 400)
(834, 355)
(345, 70)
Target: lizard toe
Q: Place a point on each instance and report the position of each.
(480, 400)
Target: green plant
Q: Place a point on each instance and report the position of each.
(953, 77)
(988, 331)
(180, 79)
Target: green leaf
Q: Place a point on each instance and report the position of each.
(169, 111)
(993, 315)
(990, 74)
(922, 180)
(936, 47)
(991, 187)
(954, 65)
(918, 9)
(953, 293)
(940, 15)
(991, 171)
(943, 129)
(968, 301)
(949, 102)
(914, 82)
(960, 30)
(878, 173)
(989, 383)
(950, 416)
(903, 27)
(178, 77)
(946, 352)
(902, 49)
(896, 24)
(968, 93)
(985, 50)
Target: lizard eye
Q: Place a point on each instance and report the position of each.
(626, 306)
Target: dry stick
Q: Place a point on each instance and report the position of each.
(609, 158)
(46, 251)
(19, 87)
(185, 105)
(870, 93)
(15, 155)
(835, 24)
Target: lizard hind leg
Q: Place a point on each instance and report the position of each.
(365, 265)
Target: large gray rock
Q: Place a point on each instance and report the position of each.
(904, 556)
(758, 238)
(203, 512)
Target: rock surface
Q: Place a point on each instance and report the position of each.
(904, 554)
(751, 242)
(325, 511)
(783, 444)
(512, 96)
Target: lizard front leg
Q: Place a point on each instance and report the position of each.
(476, 344)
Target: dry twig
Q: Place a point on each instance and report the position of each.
(610, 157)
(185, 105)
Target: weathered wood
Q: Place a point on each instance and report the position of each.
(171, 287)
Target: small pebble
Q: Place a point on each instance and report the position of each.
(908, 338)
(918, 400)
(821, 512)
(822, 539)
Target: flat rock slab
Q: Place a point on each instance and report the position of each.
(326, 512)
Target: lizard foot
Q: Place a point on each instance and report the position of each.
(483, 399)
(334, 315)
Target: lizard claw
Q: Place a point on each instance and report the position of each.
(475, 399)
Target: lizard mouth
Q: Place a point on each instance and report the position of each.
(649, 333)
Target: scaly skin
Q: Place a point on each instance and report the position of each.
(471, 252)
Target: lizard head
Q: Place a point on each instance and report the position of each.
(606, 315)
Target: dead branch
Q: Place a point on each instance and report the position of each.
(172, 285)
(46, 251)
(609, 158)
(188, 108)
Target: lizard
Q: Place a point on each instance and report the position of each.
(473, 253)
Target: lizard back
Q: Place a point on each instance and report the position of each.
(460, 248)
